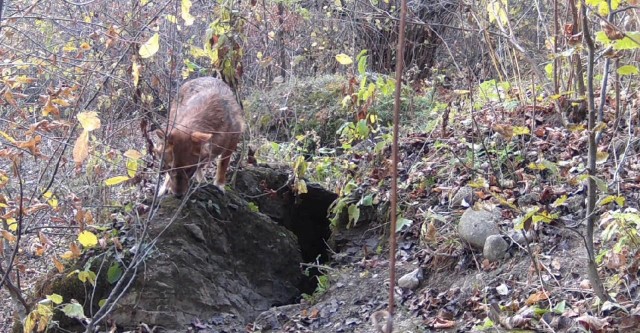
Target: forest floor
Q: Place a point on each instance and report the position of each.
(504, 156)
(519, 161)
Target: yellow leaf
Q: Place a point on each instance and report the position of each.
(49, 108)
(520, 130)
(60, 102)
(150, 47)
(89, 120)
(133, 154)
(7, 136)
(13, 224)
(51, 199)
(301, 186)
(81, 148)
(132, 167)
(22, 79)
(55, 298)
(344, 59)
(171, 19)
(88, 239)
(135, 72)
(497, 10)
(536, 166)
(116, 180)
(601, 157)
(30, 322)
(478, 183)
(186, 16)
(69, 47)
(68, 255)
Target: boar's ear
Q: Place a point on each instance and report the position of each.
(199, 137)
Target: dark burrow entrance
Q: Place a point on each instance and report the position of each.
(304, 214)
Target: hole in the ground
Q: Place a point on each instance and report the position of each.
(305, 214)
(307, 218)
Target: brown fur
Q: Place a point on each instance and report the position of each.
(205, 121)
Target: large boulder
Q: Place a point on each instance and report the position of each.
(216, 264)
(218, 258)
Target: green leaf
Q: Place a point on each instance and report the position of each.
(628, 70)
(619, 200)
(367, 200)
(601, 184)
(74, 310)
(361, 54)
(602, 38)
(117, 179)
(550, 166)
(344, 59)
(519, 225)
(362, 129)
(354, 214)
(548, 68)
(362, 65)
(102, 302)
(87, 275)
(300, 167)
(114, 273)
(253, 207)
(559, 201)
(55, 298)
(402, 222)
(630, 42)
(544, 217)
(150, 47)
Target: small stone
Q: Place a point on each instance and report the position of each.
(528, 199)
(463, 197)
(195, 231)
(575, 203)
(476, 225)
(519, 238)
(585, 284)
(411, 280)
(495, 248)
